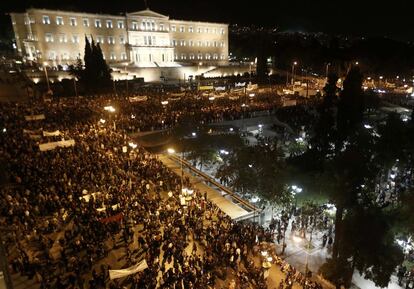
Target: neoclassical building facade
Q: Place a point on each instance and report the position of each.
(143, 39)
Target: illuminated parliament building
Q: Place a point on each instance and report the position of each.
(143, 39)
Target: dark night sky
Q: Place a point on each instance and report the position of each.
(394, 19)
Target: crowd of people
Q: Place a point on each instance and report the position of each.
(74, 213)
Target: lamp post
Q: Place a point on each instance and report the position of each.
(126, 78)
(171, 151)
(47, 76)
(327, 69)
(293, 74)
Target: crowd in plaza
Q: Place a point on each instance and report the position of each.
(65, 211)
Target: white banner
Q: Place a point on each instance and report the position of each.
(34, 117)
(52, 145)
(114, 274)
(51, 133)
(138, 98)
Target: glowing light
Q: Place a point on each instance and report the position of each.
(171, 151)
(132, 116)
(269, 259)
(264, 253)
(260, 125)
(4, 130)
(102, 121)
(252, 95)
(109, 108)
(224, 152)
(165, 102)
(133, 145)
(250, 165)
(231, 129)
(193, 134)
(297, 239)
(367, 126)
(211, 98)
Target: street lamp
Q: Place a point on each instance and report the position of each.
(126, 78)
(327, 69)
(293, 73)
(171, 151)
(45, 64)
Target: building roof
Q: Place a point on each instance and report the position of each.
(148, 13)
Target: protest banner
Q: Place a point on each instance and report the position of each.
(114, 274)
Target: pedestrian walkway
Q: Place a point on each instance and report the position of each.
(224, 202)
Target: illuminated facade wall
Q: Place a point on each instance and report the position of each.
(144, 38)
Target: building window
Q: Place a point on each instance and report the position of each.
(208, 56)
(51, 55)
(183, 56)
(208, 43)
(215, 43)
(153, 40)
(200, 43)
(222, 57)
(46, 19)
(176, 57)
(122, 39)
(134, 25)
(123, 56)
(191, 56)
(173, 28)
(190, 43)
(75, 39)
(181, 28)
(149, 40)
(215, 56)
(161, 27)
(98, 23)
(153, 25)
(199, 56)
(86, 22)
(73, 21)
(100, 39)
(174, 42)
(198, 29)
(49, 37)
(65, 56)
(109, 24)
(59, 20)
(112, 56)
(62, 38)
(190, 29)
(222, 31)
(206, 30)
(121, 25)
(222, 44)
(111, 40)
(214, 31)
(182, 42)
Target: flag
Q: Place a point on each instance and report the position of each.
(114, 274)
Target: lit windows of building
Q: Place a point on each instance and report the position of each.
(199, 56)
(112, 56)
(182, 43)
(190, 43)
(75, 38)
(65, 56)
(183, 56)
(59, 20)
(222, 31)
(208, 56)
(109, 24)
(122, 39)
(199, 43)
(62, 38)
(98, 23)
(221, 44)
(123, 56)
(176, 56)
(121, 25)
(134, 25)
(190, 29)
(222, 57)
(174, 42)
(161, 27)
(85, 22)
(206, 30)
(51, 55)
(181, 28)
(191, 56)
(45, 19)
(111, 40)
(173, 28)
(215, 56)
(199, 29)
(73, 21)
(49, 37)
(99, 39)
